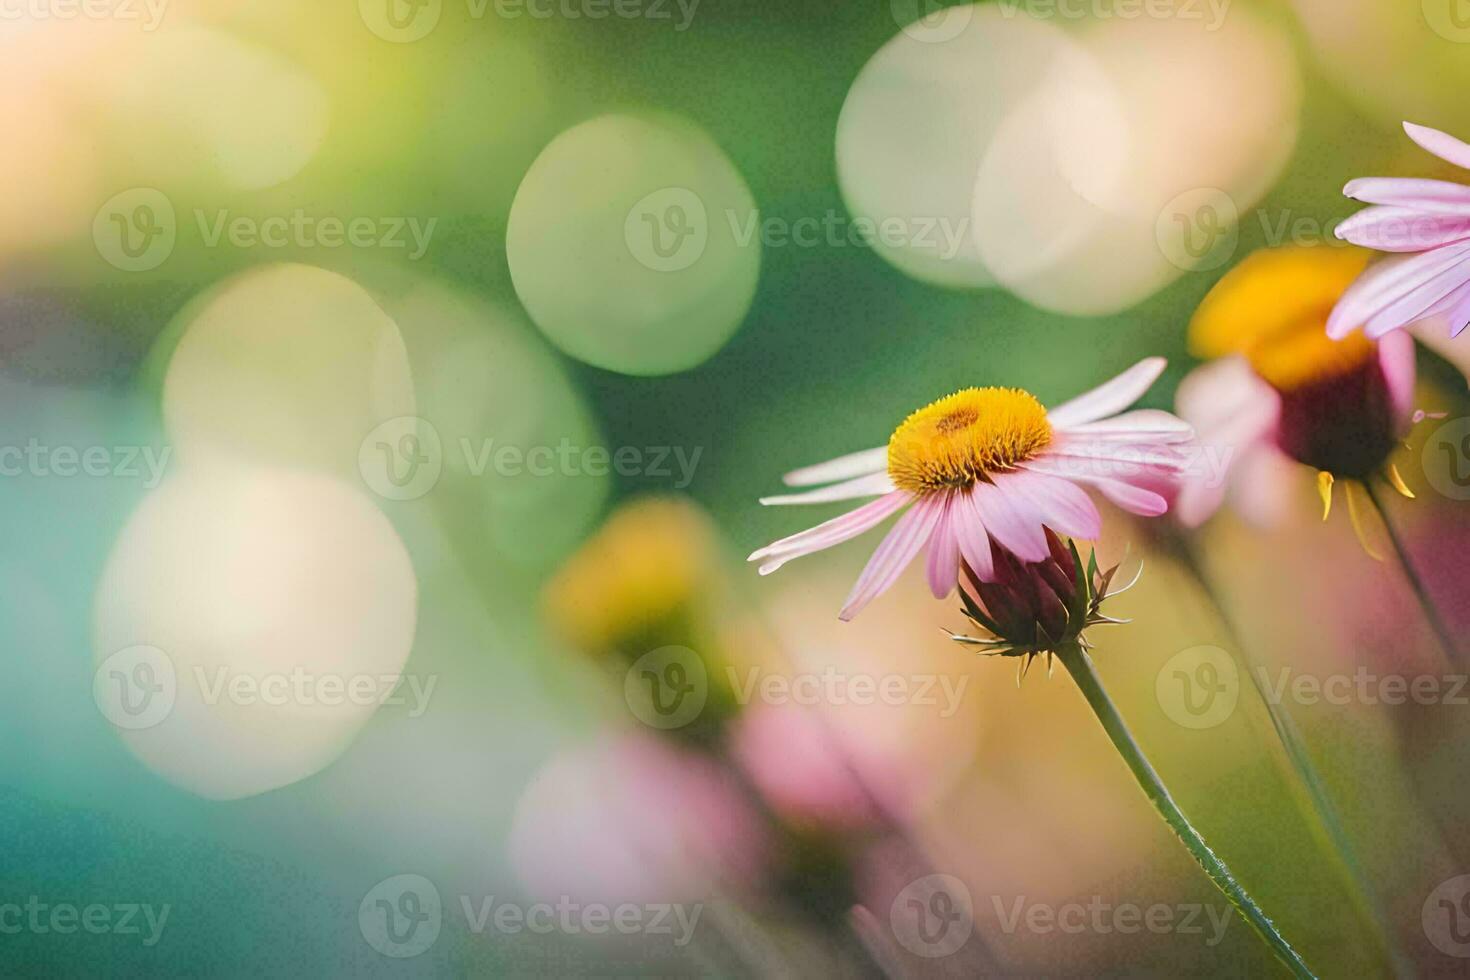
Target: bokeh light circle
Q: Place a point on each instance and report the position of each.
(286, 605)
(916, 123)
(613, 260)
(284, 363)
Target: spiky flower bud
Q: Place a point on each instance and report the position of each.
(1035, 608)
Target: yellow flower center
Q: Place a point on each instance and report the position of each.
(1303, 354)
(959, 439)
(1273, 308)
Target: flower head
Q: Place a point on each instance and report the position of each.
(1036, 608)
(986, 472)
(1428, 223)
(634, 583)
(1279, 390)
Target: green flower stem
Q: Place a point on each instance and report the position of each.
(1416, 584)
(1080, 667)
(1327, 823)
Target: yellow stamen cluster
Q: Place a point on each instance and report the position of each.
(1299, 356)
(653, 558)
(961, 438)
(1273, 308)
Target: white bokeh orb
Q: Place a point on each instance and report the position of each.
(247, 624)
(195, 106)
(1131, 163)
(634, 244)
(916, 123)
(1396, 61)
(515, 437)
(284, 364)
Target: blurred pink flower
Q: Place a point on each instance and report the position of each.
(1428, 218)
(989, 463)
(811, 773)
(634, 819)
(1259, 434)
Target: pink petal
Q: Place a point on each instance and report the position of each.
(1442, 145)
(1396, 359)
(1012, 519)
(862, 486)
(1415, 303)
(1140, 425)
(1108, 398)
(1133, 499)
(1065, 507)
(1121, 491)
(905, 541)
(842, 468)
(1263, 489)
(944, 550)
(1234, 412)
(1396, 229)
(1412, 192)
(969, 530)
(1115, 460)
(1198, 500)
(1227, 402)
(829, 533)
(1386, 281)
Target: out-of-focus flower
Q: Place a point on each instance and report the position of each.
(1036, 608)
(989, 464)
(635, 819)
(807, 769)
(1429, 220)
(637, 581)
(1281, 390)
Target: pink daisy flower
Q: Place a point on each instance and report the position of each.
(1428, 221)
(1280, 392)
(990, 463)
